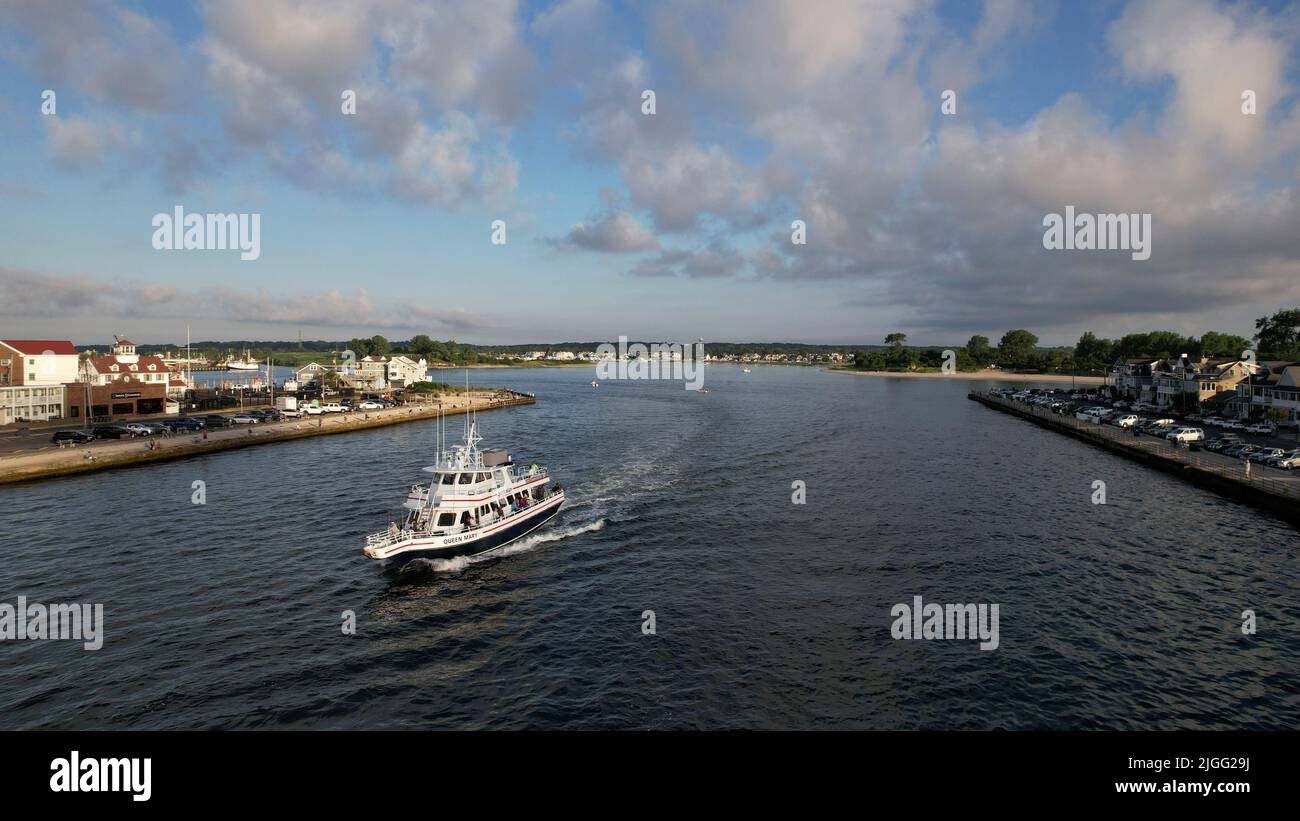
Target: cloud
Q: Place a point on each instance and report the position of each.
(616, 232)
(29, 294)
(715, 260)
(78, 142)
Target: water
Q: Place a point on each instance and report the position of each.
(768, 614)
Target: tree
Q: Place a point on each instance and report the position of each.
(1214, 343)
(896, 340)
(421, 345)
(900, 357)
(1279, 334)
(978, 350)
(360, 347)
(1016, 348)
(1093, 353)
(379, 346)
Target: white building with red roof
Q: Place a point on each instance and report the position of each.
(32, 377)
(125, 365)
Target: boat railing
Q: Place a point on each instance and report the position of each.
(386, 537)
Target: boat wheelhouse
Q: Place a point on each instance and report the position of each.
(476, 502)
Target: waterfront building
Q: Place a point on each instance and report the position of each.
(33, 373)
(1272, 392)
(403, 371)
(1184, 383)
(1134, 378)
(122, 383)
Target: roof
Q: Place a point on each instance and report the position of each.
(104, 365)
(36, 347)
(124, 342)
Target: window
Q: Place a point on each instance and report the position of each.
(31, 376)
(446, 519)
(465, 479)
(448, 479)
(122, 408)
(31, 362)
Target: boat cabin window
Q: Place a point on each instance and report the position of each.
(448, 478)
(446, 520)
(465, 479)
(485, 477)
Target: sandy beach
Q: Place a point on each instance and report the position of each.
(1000, 376)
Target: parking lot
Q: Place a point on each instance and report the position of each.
(1071, 404)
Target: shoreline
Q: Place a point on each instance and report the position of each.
(48, 463)
(985, 375)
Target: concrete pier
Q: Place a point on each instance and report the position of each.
(1268, 488)
(50, 461)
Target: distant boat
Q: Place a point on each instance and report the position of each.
(744, 370)
(245, 364)
(595, 384)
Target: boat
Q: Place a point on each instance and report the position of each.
(477, 502)
(245, 364)
(595, 384)
(744, 370)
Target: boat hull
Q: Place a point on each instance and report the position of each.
(475, 544)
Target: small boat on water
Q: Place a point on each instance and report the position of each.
(595, 384)
(477, 502)
(744, 370)
(245, 364)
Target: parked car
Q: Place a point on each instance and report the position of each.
(313, 410)
(1185, 435)
(289, 413)
(244, 419)
(1265, 453)
(153, 427)
(370, 405)
(184, 423)
(1240, 451)
(1128, 420)
(137, 429)
(332, 407)
(1224, 441)
(216, 420)
(1289, 462)
(76, 437)
(1276, 461)
(1263, 428)
(1231, 424)
(112, 432)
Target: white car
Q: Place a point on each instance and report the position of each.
(244, 419)
(1232, 424)
(332, 407)
(137, 429)
(368, 405)
(1260, 427)
(313, 410)
(1128, 420)
(1186, 435)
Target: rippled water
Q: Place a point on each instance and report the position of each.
(769, 615)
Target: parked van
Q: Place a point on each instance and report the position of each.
(1185, 435)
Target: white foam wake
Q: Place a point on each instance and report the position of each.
(458, 563)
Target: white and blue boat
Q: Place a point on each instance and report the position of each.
(477, 502)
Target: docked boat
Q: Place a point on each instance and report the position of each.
(477, 502)
(245, 364)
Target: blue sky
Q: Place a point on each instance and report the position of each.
(672, 226)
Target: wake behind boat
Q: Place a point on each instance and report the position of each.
(476, 503)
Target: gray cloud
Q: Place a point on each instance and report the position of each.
(29, 294)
